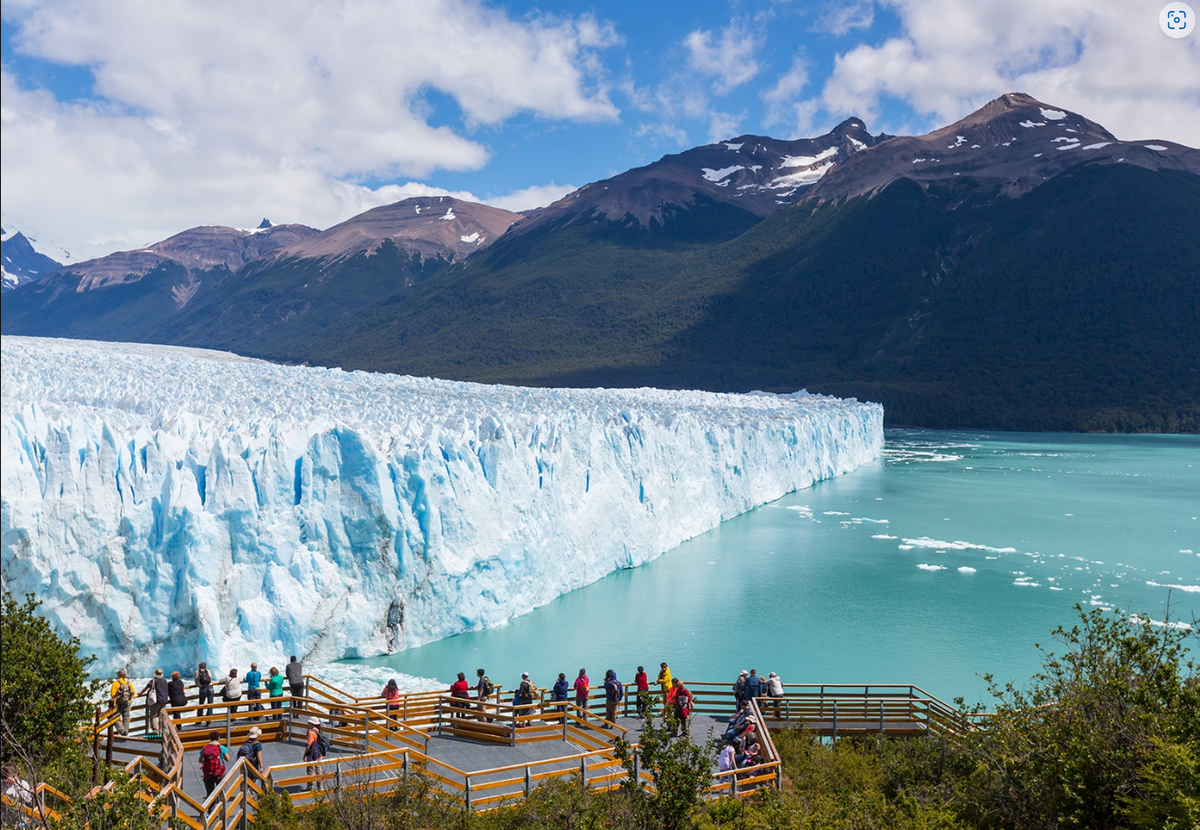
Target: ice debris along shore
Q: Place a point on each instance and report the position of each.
(172, 505)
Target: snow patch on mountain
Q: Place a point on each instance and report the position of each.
(171, 505)
(717, 175)
(1053, 115)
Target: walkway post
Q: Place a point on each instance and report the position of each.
(881, 717)
(583, 770)
(96, 748)
(366, 731)
(228, 728)
(637, 769)
(528, 781)
(245, 797)
(834, 736)
(467, 793)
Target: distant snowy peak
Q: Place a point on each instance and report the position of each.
(22, 263)
(1015, 142)
(195, 253)
(427, 226)
(754, 173)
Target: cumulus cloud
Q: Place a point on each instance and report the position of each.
(529, 198)
(217, 111)
(727, 58)
(1106, 59)
(841, 18)
(781, 98)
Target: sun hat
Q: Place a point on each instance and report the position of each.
(745, 672)
(314, 722)
(255, 732)
(524, 674)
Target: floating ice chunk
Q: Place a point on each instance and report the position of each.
(966, 570)
(718, 175)
(1187, 589)
(883, 536)
(1053, 115)
(905, 547)
(926, 567)
(926, 542)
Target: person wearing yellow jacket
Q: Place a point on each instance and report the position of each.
(122, 695)
(664, 682)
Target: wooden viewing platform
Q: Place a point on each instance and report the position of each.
(480, 756)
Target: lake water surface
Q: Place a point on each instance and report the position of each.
(949, 557)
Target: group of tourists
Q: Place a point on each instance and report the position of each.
(162, 694)
(740, 747)
(750, 686)
(214, 757)
(673, 693)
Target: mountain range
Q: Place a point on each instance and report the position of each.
(1020, 269)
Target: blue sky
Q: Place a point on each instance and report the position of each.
(125, 121)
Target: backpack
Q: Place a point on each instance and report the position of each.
(488, 688)
(203, 678)
(210, 761)
(124, 693)
(620, 690)
(322, 744)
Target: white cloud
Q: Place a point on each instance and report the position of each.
(841, 18)
(1106, 60)
(722, 125)
(531, 197)
(727, 58)
(780, 99)
(217, 111)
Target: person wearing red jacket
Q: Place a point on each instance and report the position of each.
(681, 701)
(642, 684)
(460, 689)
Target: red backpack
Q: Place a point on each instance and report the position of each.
(210, 761)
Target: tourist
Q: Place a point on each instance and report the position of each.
(275, 687)
(231, 689)
(775, 691)
(582, 688)
(253, 690)
(681, 702)
(483, 691)
(20, 794)
(252, 749)
(738, 722)
(204, 688)
(754, 685)
(212, 768)
(315, 748)
(739, 687)
(122, 695)
(559, 692)
(391, 694)
(176, 691)
(614, 693)
(461, 690)
(154, 708)
(664, 682)
(642, 684)
(524, 694)
(295, 678)
(725, 761)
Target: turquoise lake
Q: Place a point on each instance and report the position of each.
(950, 556)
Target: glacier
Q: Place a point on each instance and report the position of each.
(171, 505)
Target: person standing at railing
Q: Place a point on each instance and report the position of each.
(231, 689)
(664, 682)
(121, 694)
(253, 690)
(775, 691)
(483, 691)
(156, 701)
(642, 683)
(275, 688)
(754, 685)
(204, 688)
(524, 693)
(614, 692)
(295, 678)
(739, 688)
(582, 687)
(559, 692)
(391, 694)
(681, 702)
(460, 689)
(176, 691)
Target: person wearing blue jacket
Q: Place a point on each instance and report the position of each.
(754, 685)
(560, 691)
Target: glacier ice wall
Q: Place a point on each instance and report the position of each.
(171, 505)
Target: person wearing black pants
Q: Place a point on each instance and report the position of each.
(295, 678)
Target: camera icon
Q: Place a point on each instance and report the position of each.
(1177, 20)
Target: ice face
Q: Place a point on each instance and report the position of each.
(173, 505)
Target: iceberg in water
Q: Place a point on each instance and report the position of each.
(171, 505)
